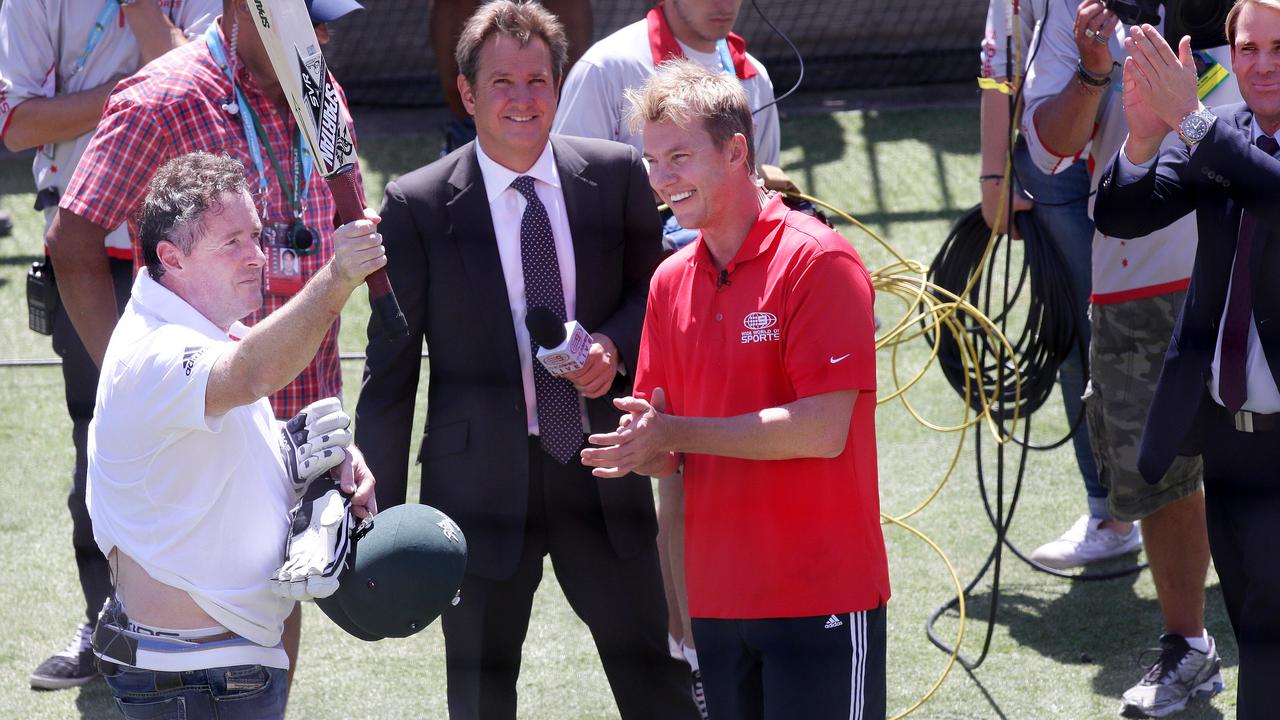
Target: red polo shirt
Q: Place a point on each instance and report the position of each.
(790, 317)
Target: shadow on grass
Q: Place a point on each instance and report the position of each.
(822, 140)
(386, 159)
(95, 701)
(1101, 623)
(15, 174)
(986, 695)
(870, 147)
(955, 138)
(23, 260)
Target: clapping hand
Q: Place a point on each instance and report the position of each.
(1165, 82)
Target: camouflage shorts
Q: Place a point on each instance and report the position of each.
(1126, 352)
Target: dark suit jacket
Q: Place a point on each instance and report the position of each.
(443, 263)
(1225, 174)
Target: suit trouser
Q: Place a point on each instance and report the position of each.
(1242, 505)
(80, 380)
(620, 600)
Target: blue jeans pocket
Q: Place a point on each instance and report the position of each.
(173, 708)
(242, 681)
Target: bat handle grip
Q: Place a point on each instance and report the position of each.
(342, 185)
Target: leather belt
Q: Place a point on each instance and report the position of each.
(1245, 421)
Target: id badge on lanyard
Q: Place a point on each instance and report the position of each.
(283, 243)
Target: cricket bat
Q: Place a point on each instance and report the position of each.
(290, 41)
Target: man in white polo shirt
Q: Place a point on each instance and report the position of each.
(188, 490)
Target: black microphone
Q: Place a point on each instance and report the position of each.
(562, 347)
(723, 279)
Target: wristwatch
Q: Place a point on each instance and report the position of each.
(1195, 126)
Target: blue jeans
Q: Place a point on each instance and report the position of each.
(243, 692)
(1062, 214)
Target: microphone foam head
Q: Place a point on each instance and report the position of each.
(545, 327)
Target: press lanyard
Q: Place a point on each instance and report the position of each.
(95, 35)
(255, 137)
(726, 59)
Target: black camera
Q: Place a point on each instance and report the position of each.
(1135, 12)
(301, 238)
(1204, 20)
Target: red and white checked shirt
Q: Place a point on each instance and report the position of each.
(172, 107)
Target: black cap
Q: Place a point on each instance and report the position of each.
(401, 574)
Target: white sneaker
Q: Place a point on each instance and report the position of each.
(1084, 543)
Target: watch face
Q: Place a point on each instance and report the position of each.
(1194, 127)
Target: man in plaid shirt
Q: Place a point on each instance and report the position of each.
(181, 103)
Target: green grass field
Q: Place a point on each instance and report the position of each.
(1060, 649)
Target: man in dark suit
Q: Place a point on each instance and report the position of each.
(516, 220)
(1217, 393)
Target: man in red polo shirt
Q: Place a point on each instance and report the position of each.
(757, 372)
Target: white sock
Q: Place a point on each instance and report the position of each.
(675, 647)
(1200, 644)
(691, 655)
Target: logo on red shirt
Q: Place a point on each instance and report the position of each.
(760, 328)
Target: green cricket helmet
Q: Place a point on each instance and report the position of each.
(404, 569)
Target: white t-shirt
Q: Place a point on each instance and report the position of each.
(1123, 270)
(201, 503)
(592, 103)
(40, 44)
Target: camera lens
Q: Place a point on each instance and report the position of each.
(300, 237)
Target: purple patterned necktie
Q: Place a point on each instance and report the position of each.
(559, 415)
(1232, 375)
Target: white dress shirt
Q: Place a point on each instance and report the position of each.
(1261, 394)
(506, 206)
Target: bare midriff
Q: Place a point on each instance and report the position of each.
(150, 602)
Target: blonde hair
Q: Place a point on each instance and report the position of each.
(1233, 16)
(682, 92)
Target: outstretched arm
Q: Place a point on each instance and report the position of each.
(284, 343)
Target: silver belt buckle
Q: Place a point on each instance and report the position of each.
(1243, 421)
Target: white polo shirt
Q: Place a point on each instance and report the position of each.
(202, 503)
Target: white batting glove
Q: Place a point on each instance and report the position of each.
(312, 442)
(319, 539)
